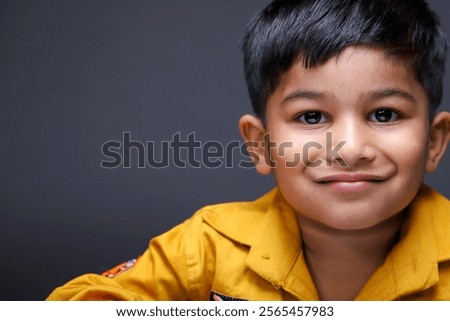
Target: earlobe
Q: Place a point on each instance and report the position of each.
(438, 140)
(253, 133)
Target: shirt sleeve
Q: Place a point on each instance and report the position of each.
(160, 273)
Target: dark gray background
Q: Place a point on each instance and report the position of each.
(75, 74)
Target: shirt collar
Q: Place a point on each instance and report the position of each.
(272, 233)
(277, 251)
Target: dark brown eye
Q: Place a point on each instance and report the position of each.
(383, 116)
(312, 117)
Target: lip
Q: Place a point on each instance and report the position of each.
(351, 183)
(351, 178)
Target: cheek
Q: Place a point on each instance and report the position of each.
(291, 151)
(409, 152)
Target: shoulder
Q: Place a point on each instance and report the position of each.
(434, 208)
(235, 220)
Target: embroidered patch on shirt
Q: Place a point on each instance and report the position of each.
(215, 296)
(115, 271)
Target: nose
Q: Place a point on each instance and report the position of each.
(350, 144)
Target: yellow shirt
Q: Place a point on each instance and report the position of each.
(253, 251)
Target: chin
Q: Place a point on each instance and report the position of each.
(353, 222)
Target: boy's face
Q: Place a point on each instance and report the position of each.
(371, 165)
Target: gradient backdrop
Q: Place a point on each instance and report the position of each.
(75, 74)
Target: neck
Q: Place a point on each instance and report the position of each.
(342, 261)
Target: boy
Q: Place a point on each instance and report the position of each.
(345, 93)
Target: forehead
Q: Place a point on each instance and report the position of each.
(351, 76)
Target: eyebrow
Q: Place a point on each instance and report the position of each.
(389, 92)
(378, 94)
(303, 94)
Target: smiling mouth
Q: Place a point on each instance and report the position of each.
(351, 178)
(347, 183)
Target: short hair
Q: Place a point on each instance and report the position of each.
(317, 30)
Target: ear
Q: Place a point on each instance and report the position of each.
(253, 133)
(438, 140)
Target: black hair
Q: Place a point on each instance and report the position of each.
(316, 30)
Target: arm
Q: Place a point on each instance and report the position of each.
(161, 273)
